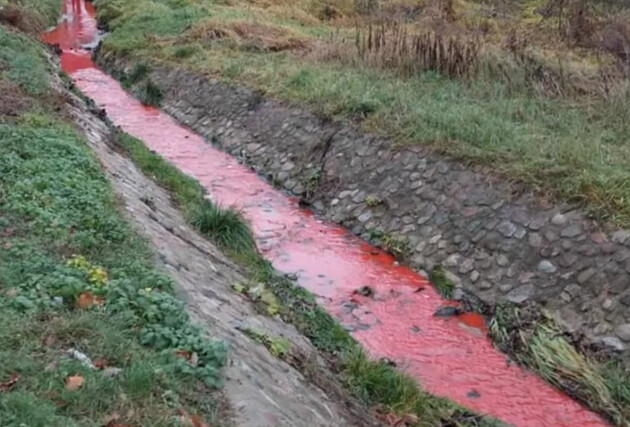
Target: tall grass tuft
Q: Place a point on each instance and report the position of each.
(537, 343)
(393, 46)
(225, 227)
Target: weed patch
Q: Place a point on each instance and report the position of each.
(442, 283)
(536, 342)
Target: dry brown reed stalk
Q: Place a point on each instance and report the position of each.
(392, 46)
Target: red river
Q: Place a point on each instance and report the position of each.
(450, 357)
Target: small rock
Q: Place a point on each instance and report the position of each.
(546, 267)
(571, 231)
(484, 285)
(559, 219)
(502, 260)
(458, 294)
(520, 294)
(292, 276)
(613, 342)
(452, 260)
(474, 276)
(473, 394)
(607, 304)
(585, 275)
(366, 291)
(535, 240)
(520, 233)
(466, 266)
(364, 217)
(507, 228)
(505, 287)
(447, 311)
(621, 236)
(111, 372)
(623, 332)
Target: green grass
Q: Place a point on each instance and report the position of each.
(441, 282)
(537, 343)
(22, 62)
(62, 240)
(575, 150)
(149, 93)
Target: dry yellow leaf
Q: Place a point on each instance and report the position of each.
(74, 382)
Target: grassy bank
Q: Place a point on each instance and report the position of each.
(91, 332)
(572, 145)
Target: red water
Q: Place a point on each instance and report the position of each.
(450, 357)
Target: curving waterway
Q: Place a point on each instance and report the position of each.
(450, 357)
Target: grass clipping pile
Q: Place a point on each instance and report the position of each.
(590, 375)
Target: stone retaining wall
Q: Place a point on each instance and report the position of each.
(493, 243)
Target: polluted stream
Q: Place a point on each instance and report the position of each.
(449, 356)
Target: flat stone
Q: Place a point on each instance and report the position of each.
(520, 233)
(613, 342)
(505, 287)
(416, 184)
(535, 240)
(484, 284)
(551, 235)
(607, 304)
(364, 217)
(559, 219)
(623, 332)
(474, 276)
(573, 289)
(507, 228)
(526, 277)
(546, 267)
(452, 260)
(571, 231)
(466, 266)
(567, 260)
(520, 294)
(621, 236)
(491, 224)
(584, 276)
(537, 223)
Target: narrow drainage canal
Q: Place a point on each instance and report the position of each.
(450, 357)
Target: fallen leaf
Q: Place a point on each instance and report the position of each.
(100, 363)
(197, 421)
(8, 385)
(85, 300)
(74, 382)
(193, 420)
